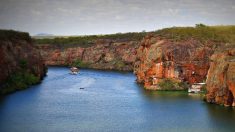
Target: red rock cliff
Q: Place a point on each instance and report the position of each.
(158, 58)
(15, 48)
(221, 78)
(104, 54)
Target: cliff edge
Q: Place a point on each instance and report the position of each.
(21, 64)
(105, 54)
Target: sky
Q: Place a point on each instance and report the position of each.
(86, 17)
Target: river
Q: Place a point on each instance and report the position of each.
(109, 101)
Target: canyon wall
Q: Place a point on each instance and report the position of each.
(180, 61)
(103, 54)
(168, 59)
(162, 61)
(221, 78)
(18, 54)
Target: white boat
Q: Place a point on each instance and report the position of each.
(196, 88)
(74, 70)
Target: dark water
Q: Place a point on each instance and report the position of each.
(110, 101)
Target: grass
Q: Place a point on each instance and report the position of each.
(80, 63)
(86, 41)
(201, 32)
(170, 84)
(222, 37)
(225, 34)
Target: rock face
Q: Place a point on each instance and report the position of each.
(55, 56)
(182, 61)
(104, 54)
(16, 49)
(221, 78)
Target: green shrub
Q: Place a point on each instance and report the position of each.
(200, 25)
(200, 32)
(119, 64)
(170, 84)
(88, 40)
(80, 63)
(19, 81)
(166, 84)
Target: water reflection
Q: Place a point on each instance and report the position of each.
(156, 95)
(217, 112)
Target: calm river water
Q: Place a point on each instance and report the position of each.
(110, 101)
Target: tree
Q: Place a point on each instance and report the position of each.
(200, 25)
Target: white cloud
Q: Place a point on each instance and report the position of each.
(106, 16)
(35, 12)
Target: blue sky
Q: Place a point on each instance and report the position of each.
(84, 17)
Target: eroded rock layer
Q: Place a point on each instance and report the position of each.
(104, 54)
(181, 61)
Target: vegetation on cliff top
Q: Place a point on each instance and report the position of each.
(88, 40)
(225, 34)
(200, 32)
(11, 35)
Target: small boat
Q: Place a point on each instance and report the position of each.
(74, 70)
(196, 88)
